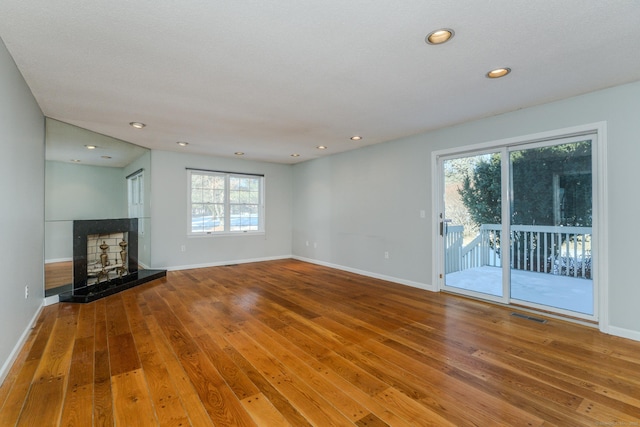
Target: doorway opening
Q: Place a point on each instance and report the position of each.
(517, 223)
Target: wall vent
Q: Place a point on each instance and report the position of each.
(524, 316)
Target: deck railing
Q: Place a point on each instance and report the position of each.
(546, 249)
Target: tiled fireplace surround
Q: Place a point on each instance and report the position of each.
(85, 232)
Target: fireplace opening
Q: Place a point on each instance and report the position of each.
(104, 251)
(107, 257)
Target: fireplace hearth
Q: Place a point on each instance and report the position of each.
(105, 259)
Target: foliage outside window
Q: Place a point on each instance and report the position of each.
(552, 187)
(556, 181)
(222, 202)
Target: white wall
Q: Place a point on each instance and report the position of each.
(357, 205)
(79, 192)
(22, 208)
(169, 214)
(353, 207)
(84, 192)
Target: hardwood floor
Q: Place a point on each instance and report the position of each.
(58, 274)
(291, 343)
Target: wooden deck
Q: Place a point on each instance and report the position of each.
(291, 343)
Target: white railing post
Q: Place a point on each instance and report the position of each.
(557, 250)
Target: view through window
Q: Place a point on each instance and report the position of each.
(222, 202)
(540, 254)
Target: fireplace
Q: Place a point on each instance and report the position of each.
(83, 230)
(105, 259)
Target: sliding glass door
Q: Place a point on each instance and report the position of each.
(471, 225)
(551, 226)
(515, 225)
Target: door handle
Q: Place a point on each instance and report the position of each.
(443, 223)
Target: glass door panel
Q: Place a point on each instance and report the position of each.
(551, 226)
(471, 225)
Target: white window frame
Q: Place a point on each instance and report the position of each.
(227, 204)
(135, 197)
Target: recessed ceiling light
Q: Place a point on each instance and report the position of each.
(356, 138)
(295, 155)
(75, 160)
(321, 147)
(106, 157)
(439, 36)
(239, 153)
(182, 143)
(91, 147)
(498, 72)
(137, 125)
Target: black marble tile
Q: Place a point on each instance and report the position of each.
(84, 228)
(80, 290)
(94, 292)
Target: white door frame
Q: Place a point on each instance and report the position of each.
(600, 206)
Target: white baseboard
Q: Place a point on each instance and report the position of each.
(4, 371)
(53, 299)
(51, 261)
(623, 333)
(222, 263)
(411, 283)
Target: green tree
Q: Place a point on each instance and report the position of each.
(481, 191)
(560, 172)
(538, 176)
(550, 186)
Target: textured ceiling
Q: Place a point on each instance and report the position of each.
(272, 78)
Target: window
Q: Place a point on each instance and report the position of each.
(135, 197)
(223, 202)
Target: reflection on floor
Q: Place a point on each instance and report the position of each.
(58, 274)
(568, 293)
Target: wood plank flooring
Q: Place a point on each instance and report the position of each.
(58, 274)
(286, 343)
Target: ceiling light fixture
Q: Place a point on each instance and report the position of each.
(75, 160)
(440, 36)
(91, 147)
(239, 153)
(498, 72)
(137, 125)
(182, 143)
(356, 138)
(321, 147)
(295, 155)
(106, 157)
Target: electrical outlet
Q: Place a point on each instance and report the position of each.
(386, 255)
(183, 248)
(26, 292)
